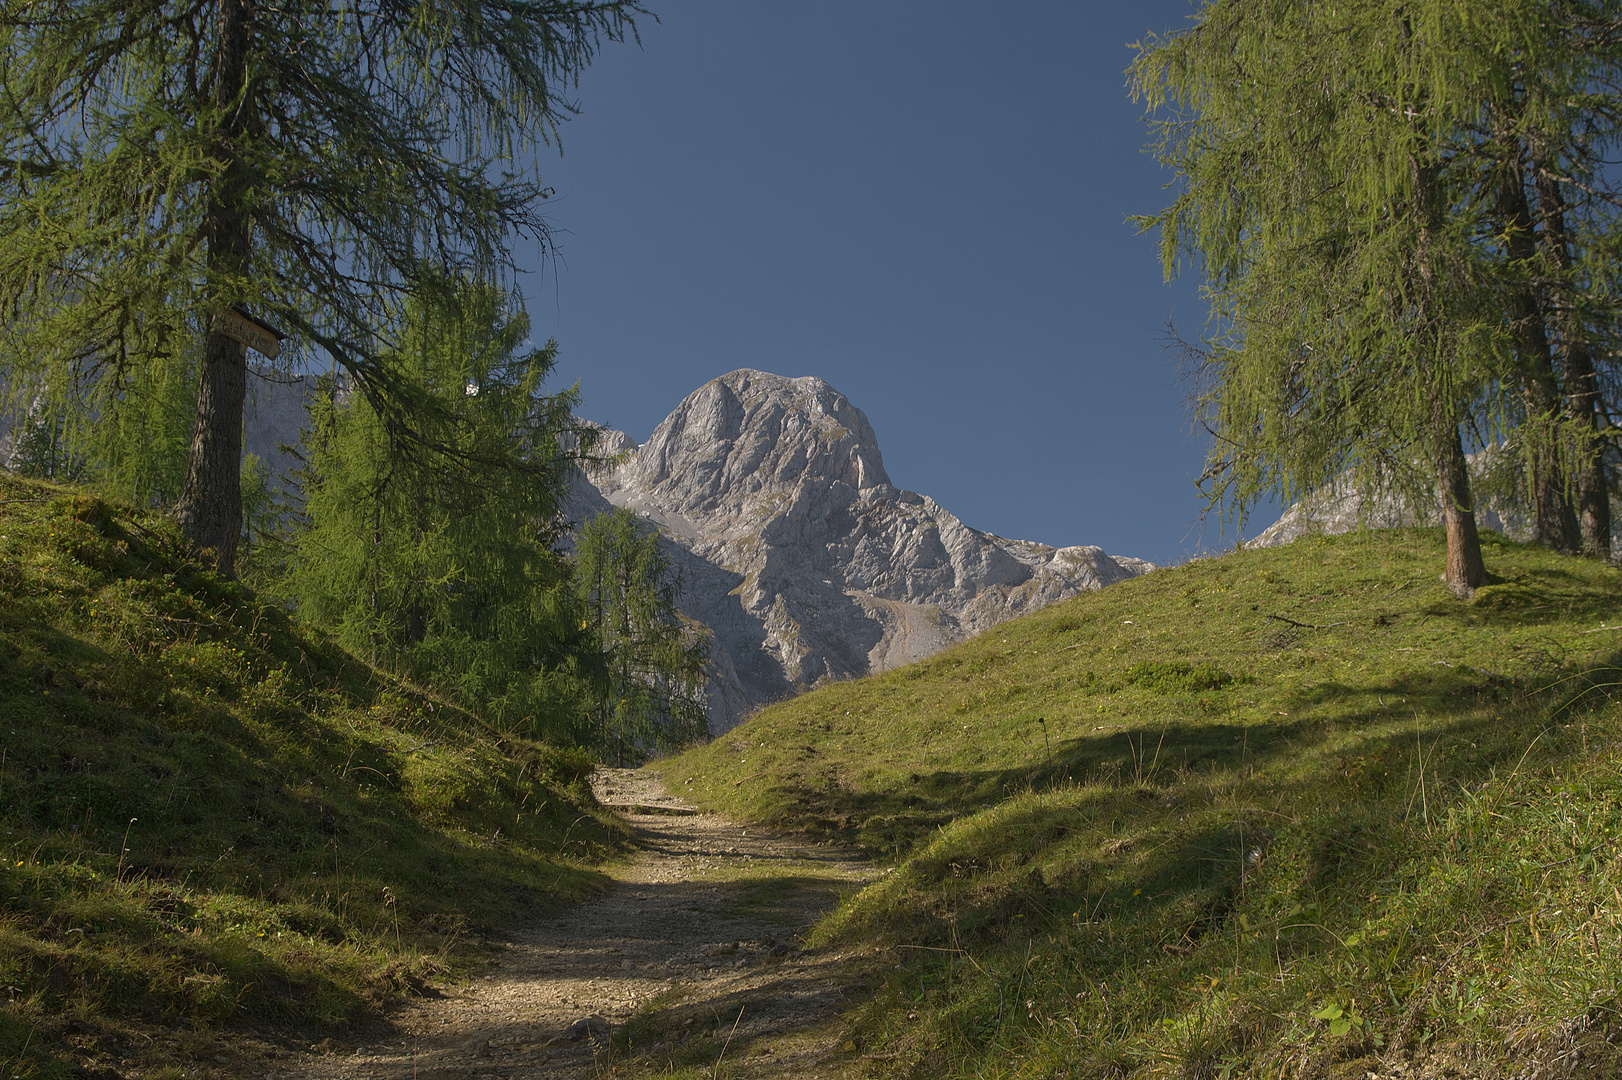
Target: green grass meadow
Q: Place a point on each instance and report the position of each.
(1285, 813)
(214, 825)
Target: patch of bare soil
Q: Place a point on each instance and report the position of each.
(694, 956)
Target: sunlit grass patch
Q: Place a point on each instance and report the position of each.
(1282, 810)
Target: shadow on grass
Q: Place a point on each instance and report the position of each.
(1363, 744)
(182, 855)
(1161, 861)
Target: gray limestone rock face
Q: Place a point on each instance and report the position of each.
(1343, 507)
(807, 564)
(1339, 509)
(795, 549)
(275, 414)
(801, 556)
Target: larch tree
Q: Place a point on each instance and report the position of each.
(1553, 215)
(1563, 121)
(123, 429)
(442, 564)
(1345, 189)
(168, 165)
(651, 667)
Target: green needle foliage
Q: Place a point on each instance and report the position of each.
(162, 162)
(651, 671)
(439, 563)
(126, 434)
(1355, 184)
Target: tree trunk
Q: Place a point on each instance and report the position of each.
(1465, 570)
(1555, 520)
(1551, 502)
(1581, 385)
(210, 506)
(1557, 525)
(1593, 487)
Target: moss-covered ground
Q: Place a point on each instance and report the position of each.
(215, 826)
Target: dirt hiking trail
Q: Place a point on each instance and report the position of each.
(703, 925)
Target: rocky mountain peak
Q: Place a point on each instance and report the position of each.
(742, 436)
(798, 552)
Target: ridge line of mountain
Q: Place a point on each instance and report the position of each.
(801, 556)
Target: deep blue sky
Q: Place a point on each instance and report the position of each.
(923, 203)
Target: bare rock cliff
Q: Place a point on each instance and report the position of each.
(1342, 507)
(795, 548)
(799, 553)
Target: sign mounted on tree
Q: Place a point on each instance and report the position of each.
(259, 336)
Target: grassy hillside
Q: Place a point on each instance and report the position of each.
(1295, 812)
(213, 825)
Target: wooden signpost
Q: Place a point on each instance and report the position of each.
(259, 336)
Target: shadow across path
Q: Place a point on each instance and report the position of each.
(696, 951)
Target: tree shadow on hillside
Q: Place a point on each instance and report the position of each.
(1369, 736)
(188, 780)
(1103, 827)
(1531, 595)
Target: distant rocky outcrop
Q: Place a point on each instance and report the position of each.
(802, 557)
(1344, 507)
(796, 550)
(275, 414)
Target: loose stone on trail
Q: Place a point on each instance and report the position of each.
(681, 938)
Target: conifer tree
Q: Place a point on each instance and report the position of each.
(1548, 132)
(1567, 118)
(441, 563)
(123, 429)
(651, 668)
(164, 163)
(1348, 189)
(142, 420)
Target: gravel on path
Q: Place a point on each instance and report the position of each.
(693, 955)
